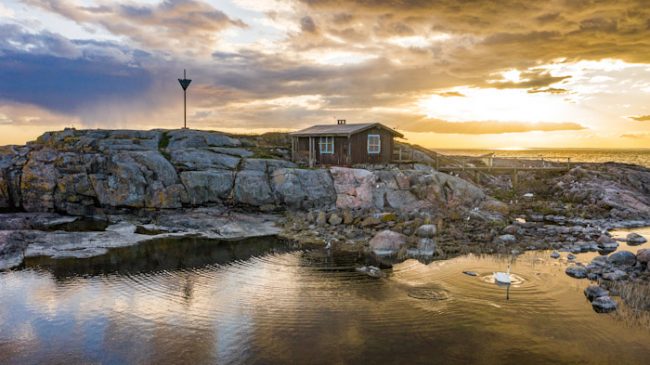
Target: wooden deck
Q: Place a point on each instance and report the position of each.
(490, 164)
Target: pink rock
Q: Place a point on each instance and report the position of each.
(643, 255)
(386, 242)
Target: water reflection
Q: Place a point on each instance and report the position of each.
(268, 303)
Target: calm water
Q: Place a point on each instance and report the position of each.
(636, 156)
(198, 302)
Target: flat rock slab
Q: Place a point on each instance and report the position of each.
(205, 223)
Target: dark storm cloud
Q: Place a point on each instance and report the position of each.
(67, 85)
(64, 75)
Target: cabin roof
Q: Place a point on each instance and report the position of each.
(341, 130)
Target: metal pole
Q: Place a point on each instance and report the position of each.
(185, 109)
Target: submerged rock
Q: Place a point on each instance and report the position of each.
(635, 239)
(576, 271)
(604, 304)
(555, 255)
(372, 271)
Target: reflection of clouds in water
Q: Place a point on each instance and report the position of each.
(286, 307)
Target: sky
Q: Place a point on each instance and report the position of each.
(447, 74)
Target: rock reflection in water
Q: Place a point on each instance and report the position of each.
(273, 304)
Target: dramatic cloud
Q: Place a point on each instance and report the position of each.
(639, 135)
(640, 118)
(426, 66)
(170, 25)
(485, 127)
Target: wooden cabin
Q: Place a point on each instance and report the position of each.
(343, 144)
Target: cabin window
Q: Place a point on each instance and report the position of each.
(326, 145)
(374, 144)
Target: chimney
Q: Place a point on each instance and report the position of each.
(340, 121)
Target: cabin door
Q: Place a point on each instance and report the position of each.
(343, 155)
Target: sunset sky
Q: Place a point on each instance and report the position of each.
(448, 74)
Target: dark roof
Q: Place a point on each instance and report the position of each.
(340, 130)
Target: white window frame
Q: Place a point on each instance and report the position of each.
(326, 145)
(374, 148)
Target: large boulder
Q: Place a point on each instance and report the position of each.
(39, 178)
(187, 138)
(211, 186)
(252, 188)
(402, 190)
(622, 258)
(199, 159)
(297, 188)
(643, 255)
(12, 247)
(12, 160)
(266, 164)
(387, 242)
(137, 180)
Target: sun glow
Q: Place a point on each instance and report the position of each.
(483, 104)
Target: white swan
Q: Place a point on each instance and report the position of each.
(502, 277)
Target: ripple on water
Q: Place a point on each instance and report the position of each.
(286, 306)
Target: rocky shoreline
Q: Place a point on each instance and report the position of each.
(127, 187)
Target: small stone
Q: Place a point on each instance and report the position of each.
(634, 239)
(604, 304)
(511, 229)
(555, 255)
(615, 275)
(372, 271)
(426, 231)
(606, 242)
(506, 239)
(348, 218)
(335, 219)
(370, 221)
(576, 271)
(321, 219)
(594, 291)
(571, 257)
(470, 273)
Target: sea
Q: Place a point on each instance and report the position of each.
(629, 156)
